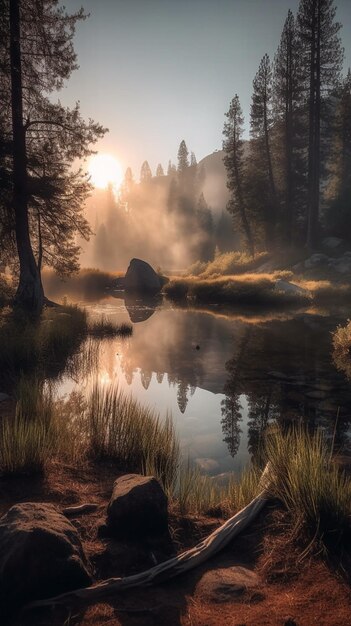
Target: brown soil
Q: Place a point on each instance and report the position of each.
(289, 592)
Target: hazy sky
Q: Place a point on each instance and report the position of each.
(159, 71)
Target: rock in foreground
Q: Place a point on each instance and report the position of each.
(141, 278)
(225, 584)
(40, 555)
(138, 507)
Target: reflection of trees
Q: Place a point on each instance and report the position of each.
(231, 412)
(231, 406)
(262, 410)
(145, 378)
(159, 377)
(285, 371)
(166, 345)
(182, 395)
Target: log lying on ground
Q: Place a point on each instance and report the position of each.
(174, 566)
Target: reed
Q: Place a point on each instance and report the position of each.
(314, 490)
(135, 437)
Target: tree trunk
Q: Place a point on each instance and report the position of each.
(244, 220)
(29, 293)
(289, 217)
(272, 217)
(311, 220)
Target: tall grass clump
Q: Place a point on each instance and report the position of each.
(342, 348)
(315, 492)
(27, 439)
(135, 437)
(103, 328)
(195, 492)
(228, 263)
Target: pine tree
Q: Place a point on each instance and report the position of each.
(183, 157)
(234, 163)
(287, 114)
(338, 192)
(159, 170)
(193, 161)
(261, 152)
(145, 173)
(38, 55)
(321, 58)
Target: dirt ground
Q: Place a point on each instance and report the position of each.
(284, 591)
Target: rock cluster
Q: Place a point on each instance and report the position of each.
(41, 554)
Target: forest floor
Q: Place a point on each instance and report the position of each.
(281, 589)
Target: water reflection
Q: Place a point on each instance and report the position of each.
(225, 379)
(140, 309)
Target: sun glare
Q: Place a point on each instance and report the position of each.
(105, 170)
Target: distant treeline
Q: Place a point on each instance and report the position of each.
(165, 218)
(294, 184)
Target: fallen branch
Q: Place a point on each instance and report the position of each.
(174, 566)
(79, 509)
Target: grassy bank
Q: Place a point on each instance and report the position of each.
(245, 290)
(228, 263)
(111, 427)
(88, 284)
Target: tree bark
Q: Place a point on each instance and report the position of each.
(29, 295)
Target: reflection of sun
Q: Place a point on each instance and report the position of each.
(104, 378)
(105, 170)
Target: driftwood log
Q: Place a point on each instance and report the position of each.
(175, 566)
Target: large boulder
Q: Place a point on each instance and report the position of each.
(40, 555)
(141, 278)
(138, 507)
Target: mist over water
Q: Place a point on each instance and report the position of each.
(166, 220)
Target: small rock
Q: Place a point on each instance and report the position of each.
(225, 584)
(40, 555)
(4, 396)
(138, 507)
(316, 395)
(316, 259)
(289, 288)
(332, 243)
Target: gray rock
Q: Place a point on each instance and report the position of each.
(141, 278)
(316, 260)
(40, 555)
(138, 507)
(4, 396)
(289, 288)
(225, 584)
(342, 265)
(332, 243)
